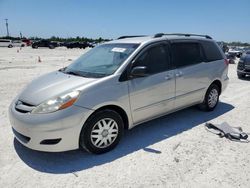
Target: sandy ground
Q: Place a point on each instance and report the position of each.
(173, 151)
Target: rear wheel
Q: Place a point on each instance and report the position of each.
(102, 132)
(10, 46)
(231, 61)
(211, 98)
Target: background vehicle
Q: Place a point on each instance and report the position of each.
(116, 86)
(237, 52)
(77, 45)
(247, 51)
(44, 43)
(243, 67)
(6, 43)
(18, 43)
(27, 42)
(223, 46)
(231, 57)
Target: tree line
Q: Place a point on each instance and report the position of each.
(61, 39)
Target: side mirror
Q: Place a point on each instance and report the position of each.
(139, 71)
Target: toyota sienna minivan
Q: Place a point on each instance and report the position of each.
(116, 86)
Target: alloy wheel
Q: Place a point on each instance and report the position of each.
(213, 98)
(104, 133)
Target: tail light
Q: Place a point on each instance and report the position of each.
(226, 62)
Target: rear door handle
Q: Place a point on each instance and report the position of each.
(168, 77)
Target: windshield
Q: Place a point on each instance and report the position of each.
(101, 61)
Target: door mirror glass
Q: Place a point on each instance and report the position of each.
(139, 71)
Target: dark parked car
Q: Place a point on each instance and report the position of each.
(77, 45)
(243, 68)
(44, 43)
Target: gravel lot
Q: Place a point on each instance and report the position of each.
(173, 151)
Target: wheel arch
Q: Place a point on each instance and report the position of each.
(117, 109)
(218, 83)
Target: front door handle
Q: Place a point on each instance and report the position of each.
(168, 77)
(179, 74)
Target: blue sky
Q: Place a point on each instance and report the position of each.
(227, 20)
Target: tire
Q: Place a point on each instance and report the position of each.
(35, 47)
(98, 139)
(10, 46)
(241, 75)
(211, 98)
(231, 61)
(51, 47)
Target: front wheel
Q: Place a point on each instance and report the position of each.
(102, 132)
(211, 98)
(241, 75)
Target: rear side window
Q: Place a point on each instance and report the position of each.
(212, 51)
(156, 59)
(186, 53)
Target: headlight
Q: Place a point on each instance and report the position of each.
(57, 103)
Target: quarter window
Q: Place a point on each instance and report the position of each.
(212, 51)
(186, 53)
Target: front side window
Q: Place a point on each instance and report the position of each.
(156, 59)
(186, 53)
(102, 60)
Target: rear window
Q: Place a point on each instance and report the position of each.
(4, 40)
(186, 53)
(212, 51)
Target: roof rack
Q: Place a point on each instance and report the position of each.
(181, 34)
(133, 36)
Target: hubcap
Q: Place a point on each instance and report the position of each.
(213, 98)
(104, 133)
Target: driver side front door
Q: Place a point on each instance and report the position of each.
(153, 95)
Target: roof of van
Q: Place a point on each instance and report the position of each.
(159, 37)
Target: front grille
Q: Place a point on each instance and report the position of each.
(23, 107)
(247, 66)
(21, 137)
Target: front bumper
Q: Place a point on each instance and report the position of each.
(52, 132)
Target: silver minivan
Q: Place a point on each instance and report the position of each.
(116, 86)
(6, 43)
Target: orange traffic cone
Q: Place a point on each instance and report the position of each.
(39, 59)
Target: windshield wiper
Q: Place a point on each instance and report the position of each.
(62, 69)
(73, 73)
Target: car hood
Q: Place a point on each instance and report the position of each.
(51, 85)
